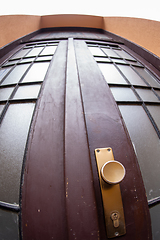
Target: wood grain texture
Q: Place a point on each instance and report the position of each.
(105, 129)
(80, 199)
(43, 201)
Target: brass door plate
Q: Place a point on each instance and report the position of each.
(111, 196)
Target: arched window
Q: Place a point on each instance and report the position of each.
(62, 95)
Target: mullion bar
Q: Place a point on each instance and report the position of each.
(118, 68)
(19, 83)
(153, 201)
(9, 206)
(151, 120)
(4, 111)
(141, 102)
(12, 68)
(140, 75)
(25, 100)
(129, 102)
(153, 90)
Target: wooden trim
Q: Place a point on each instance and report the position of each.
(43, 190)
(141, 53)
(10, 48)
(82, 216)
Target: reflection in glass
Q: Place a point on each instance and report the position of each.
(9, 226)
(109, 52)
(111, 74)
(3, 72)
(37, 72)
(20, 54)
(46, 58)
(1, 108)
(118, 60)
(123, 54)
(34, 52)
(147, 95)
(26, 92)
(102, 59)
(10, 63)
(49, 50)
(131, 75)
(155, 112)
(26, 60)
(123, 94)
(5, 93)
(13, 135)
(16, 74)
(148, 77)
(133, 63)
(155, 219)
(96, 51)
(147, 146)
(158, 92)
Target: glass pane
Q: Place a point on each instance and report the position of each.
(148, 77)
(1, 108)
(124, 54)
(27, 60)
(118, 60)
(111, 74)
(123, 94)
(158, 92)
(147, 95)
(37, 72)
(13, 135)
(25, 92)
(96, 51)
(102, 59)
(10, 63)
(34, 52)
(46, 58)
(50, 50)
(131, 75)
(155, 112)
(147, 147)
(155, 219)
(20, 54)
(9, 226)
(3, 72)
(5, 93)
(16, 74)
(133, 63)
(109, 52)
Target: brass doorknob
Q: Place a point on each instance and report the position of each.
(113, 172)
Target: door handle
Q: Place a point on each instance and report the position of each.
(111, 173)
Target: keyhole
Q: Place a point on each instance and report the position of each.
(115, 218)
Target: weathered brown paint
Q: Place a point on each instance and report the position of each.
(105, 129)
(58, 198)
(43, 202)
(82, 216)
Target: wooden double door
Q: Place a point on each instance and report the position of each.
(75, 114)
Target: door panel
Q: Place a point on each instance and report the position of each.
(105, 128)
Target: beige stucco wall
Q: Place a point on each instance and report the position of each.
(68, 20)
(145, 33)
(13, 27)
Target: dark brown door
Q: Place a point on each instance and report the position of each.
(76, 114)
